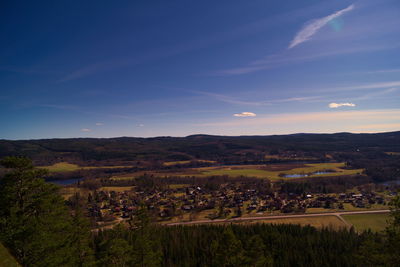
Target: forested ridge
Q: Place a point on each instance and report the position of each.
(219, 148)
(40, 230)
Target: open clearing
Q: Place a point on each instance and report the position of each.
(68, 167)
(270, 171)
(182, 162)
(266, 171)
(318, 221)
(361, 222)
(5, 258)
(116, 188)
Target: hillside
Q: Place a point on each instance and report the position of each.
(218, 148)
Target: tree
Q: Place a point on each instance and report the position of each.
(393, 233)
(383, 249)
(146, 251)
(229, 250)
(116, 252)
(80, 237)
(256, 253)
(34, 222)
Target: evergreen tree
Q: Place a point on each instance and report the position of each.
(34, 222)
(80, 236)
(230, 250)
(256, 253)
(393, 234)
(147, 250)
(116, 252)
(383, 249)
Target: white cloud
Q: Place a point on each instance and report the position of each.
(141, 125)
(338, 105)
(245, 114)
(99, 124)
(317, 118)
(86, 130)
(312, 27)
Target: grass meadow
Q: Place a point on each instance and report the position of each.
(361, 222)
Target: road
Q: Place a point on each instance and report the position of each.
(271, 217)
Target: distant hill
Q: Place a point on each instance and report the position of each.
(209, 147)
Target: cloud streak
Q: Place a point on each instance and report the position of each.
(245, 114)
(283, 59)
(313, 26)
(313, 117)
(338, 105)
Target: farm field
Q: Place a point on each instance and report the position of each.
(317, 221)
(270, 171)
(6, 259)
(361, 222)
(267, 171)
(347, 207)
(68, 167)
(172, 163)
(116, 188)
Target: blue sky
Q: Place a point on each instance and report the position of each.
(157, 68)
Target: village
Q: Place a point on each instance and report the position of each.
(188, 203)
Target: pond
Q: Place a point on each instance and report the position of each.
(65, 182)
(302, 175)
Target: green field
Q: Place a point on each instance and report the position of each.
(376, 222)
(116, 188)
(317, 221)
(6, 259)
(173, 163)
(68, 167)
(266, 171)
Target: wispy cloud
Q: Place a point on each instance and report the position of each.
(383, 71)
(312, 27)
(99, 124)
(374, 85)
(85, 130)
(313, 117)
(376, 94)
(230, 99)
(242, 102)
(245, 114)
(284, 59)
(338, 105)
(191, 45)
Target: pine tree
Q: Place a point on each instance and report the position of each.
(147, 251)
(256, 253)
(34, 222)
(80, 237)
(230, 250)
(116, 252)
(393, 234)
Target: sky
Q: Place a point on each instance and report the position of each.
(176, 68)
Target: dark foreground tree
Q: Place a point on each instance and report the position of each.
(34, 222)
(383, 249)
(147, 250)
